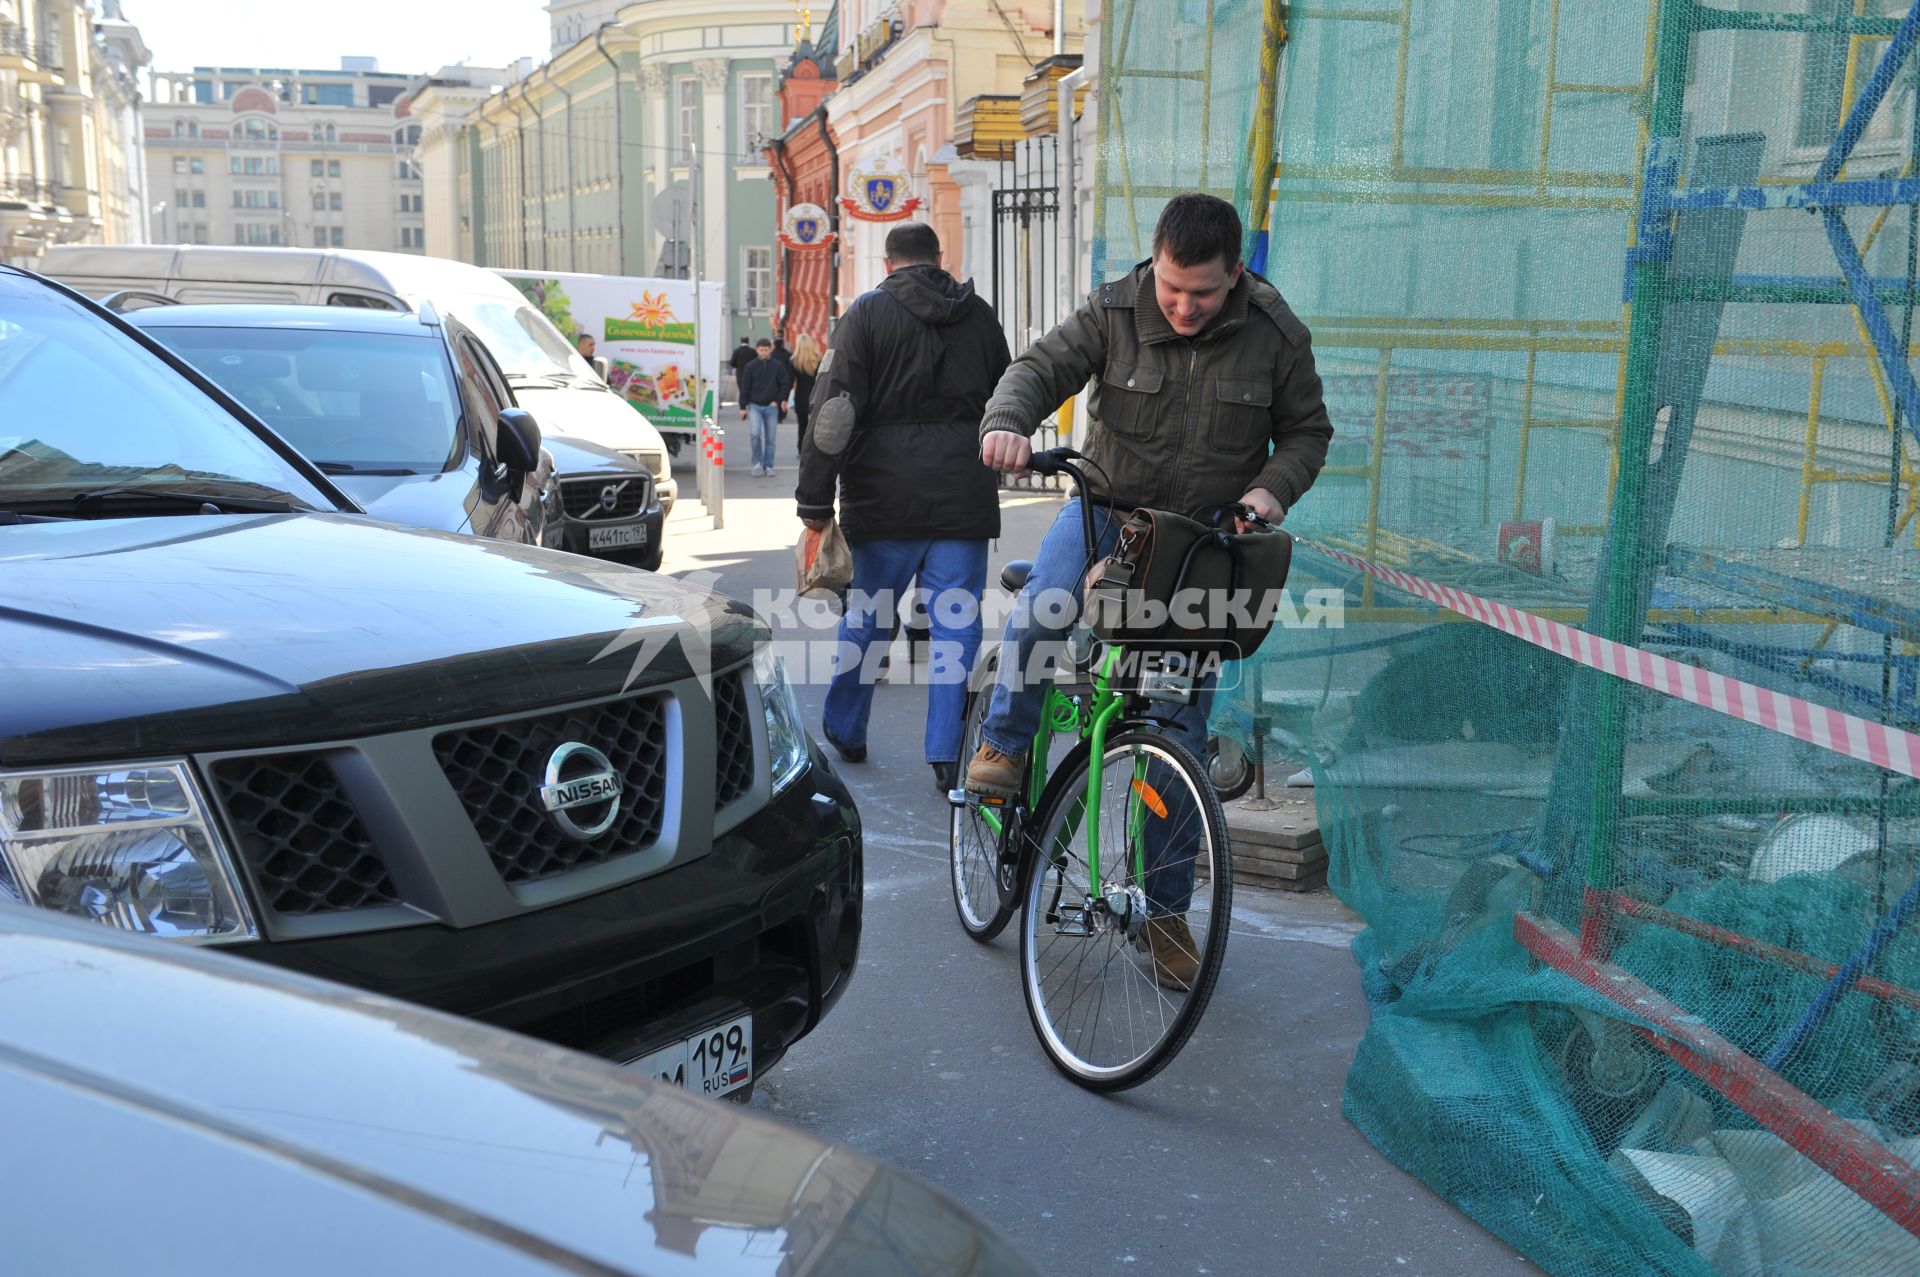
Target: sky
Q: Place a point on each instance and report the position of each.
(411, 36)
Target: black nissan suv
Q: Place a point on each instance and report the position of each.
(556, 794)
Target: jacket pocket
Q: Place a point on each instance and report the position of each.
(1130, 402)
(1242, 411)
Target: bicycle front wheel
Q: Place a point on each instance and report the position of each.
(1117, 966)
(983, 886)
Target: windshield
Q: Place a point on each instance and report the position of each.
(352, 401)
(521, 340)
(85, 407)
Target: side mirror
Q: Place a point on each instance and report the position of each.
(516, 441)
(601, 366)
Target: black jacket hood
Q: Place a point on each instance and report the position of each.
(930, 294)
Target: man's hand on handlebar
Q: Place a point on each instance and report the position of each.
(1264, 504)
(1006, 451)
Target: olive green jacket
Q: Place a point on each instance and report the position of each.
(1177, 422)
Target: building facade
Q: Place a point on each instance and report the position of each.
(906, 68)
(278, 156)
(71, 144)
(570, 167)
(806, 171)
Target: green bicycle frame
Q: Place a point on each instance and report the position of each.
(1059, 714)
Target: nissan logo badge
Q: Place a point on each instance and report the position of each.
(582, 791)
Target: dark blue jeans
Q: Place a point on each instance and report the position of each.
(953, 574)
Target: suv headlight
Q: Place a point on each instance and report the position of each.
(131, 846)
(786, 737)
(653, 461)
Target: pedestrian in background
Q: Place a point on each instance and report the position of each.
(781, 355)
(765, 384)
(742, 356)
(895, 424)
(806, 363)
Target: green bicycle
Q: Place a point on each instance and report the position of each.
(1116, 858)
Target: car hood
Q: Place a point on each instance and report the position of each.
(586, 413)
(314, 1128)
(582, 456)
(135, 637)
(417, 500)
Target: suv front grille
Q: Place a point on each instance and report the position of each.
(498, 769)
(733, 740)
(585, 498)
(298, 833)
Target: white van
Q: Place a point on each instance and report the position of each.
(549, 379)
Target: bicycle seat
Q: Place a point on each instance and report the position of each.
(1015, 574)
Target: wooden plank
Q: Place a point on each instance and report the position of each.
(1293, 823)
(1313, 883)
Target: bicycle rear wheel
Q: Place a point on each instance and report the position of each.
(1117, 973)
(983, 887)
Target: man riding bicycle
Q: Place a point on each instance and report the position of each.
(1205, 394)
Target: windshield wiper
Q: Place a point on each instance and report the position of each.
(203, 503)
(347, 467)
(548, 378)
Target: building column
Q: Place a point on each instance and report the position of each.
(716, 177)
(656, 111)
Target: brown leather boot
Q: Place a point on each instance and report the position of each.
(995, 773)
(1176, 956)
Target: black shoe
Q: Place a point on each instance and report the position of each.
(944, 775)
(850, 753)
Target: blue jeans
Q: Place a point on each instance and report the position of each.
(763, 417)
(1036, 638)
(882, 571)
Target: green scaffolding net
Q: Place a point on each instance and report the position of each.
(1616, 325)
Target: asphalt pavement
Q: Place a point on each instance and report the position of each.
(1235, 1160)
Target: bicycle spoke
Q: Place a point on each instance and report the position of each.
(1109, 1012)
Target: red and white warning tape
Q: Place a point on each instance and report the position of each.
(1871, 742)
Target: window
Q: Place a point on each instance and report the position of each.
(319, 237)
(182, 198)
(197, 165)
(412, 237)
(756, 111)
(179, 128)
(258, 131)
(327, 94)
(179, 163)
(1823, 70)
(408, 136)
(756, 278)
(199, 199)
(318, 168)
(333, 201)
(257, 233)
(687, 118)
(319, 199)
(333, 166)
(203, 91)
(339, 236)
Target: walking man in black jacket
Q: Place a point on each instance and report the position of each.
(895, 420)
(765, 384)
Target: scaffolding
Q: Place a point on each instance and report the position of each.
(1618, 937)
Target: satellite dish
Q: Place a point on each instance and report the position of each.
(672, 207)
